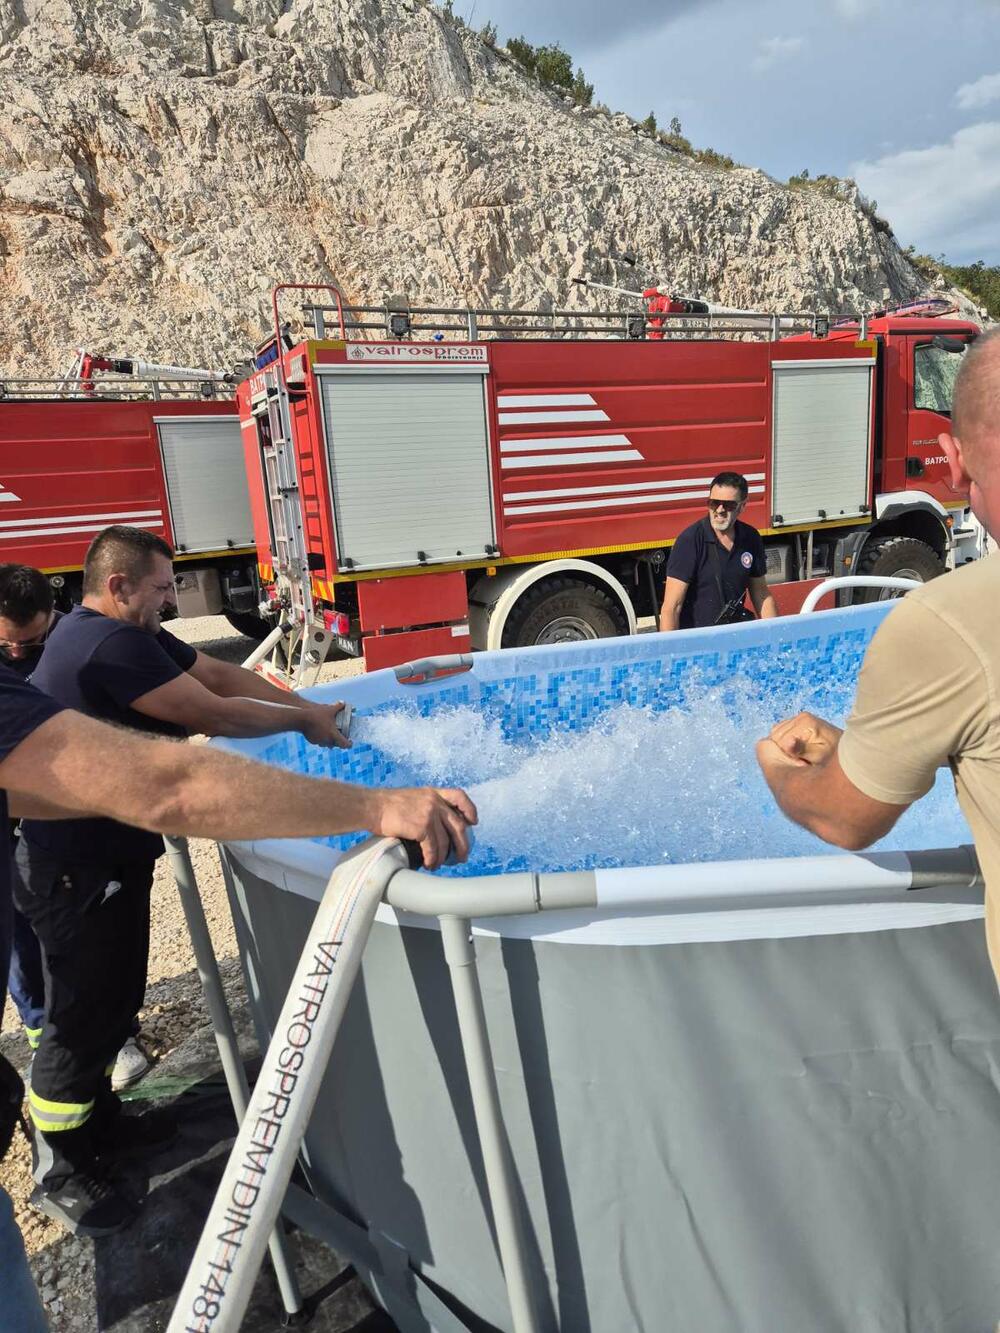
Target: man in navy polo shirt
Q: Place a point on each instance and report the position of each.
(715, 562)
(84, 884)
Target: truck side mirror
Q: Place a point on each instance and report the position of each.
(945, 344)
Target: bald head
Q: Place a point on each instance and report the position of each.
(975, 409)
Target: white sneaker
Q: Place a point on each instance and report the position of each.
(130, 1066)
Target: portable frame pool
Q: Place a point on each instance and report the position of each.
(748, 1095)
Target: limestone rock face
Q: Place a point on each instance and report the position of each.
(163, 163)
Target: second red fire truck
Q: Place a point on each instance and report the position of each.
(122, 441)
(428, 481)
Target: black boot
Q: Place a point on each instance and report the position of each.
(74, 1187)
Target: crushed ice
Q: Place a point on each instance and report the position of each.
(637, 787)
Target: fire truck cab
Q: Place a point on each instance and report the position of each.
(432, 481)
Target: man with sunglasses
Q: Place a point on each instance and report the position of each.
(27, 617)
(715, 562)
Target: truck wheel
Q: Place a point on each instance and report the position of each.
(249, 623)
(563, 610)
(897, 557)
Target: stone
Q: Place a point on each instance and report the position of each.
(163, 164)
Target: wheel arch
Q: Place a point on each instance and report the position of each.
(492, 599)
(910, 514)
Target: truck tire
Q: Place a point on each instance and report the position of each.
(897, 557)
(249, 623)
(563, 610)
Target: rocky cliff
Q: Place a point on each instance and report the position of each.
(164, 162)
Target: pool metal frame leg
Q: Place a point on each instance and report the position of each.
(460, 955)
(226, 1040)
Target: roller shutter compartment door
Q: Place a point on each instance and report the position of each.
(409, 468)
(207, 483)
(822, 441)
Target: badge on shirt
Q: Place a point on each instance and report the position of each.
(746, 559)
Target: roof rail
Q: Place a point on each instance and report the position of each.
(399, 321)
(112, 388)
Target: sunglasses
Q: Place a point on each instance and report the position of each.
(24, 643)
(730, 506)
(35, 642)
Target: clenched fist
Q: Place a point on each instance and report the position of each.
(806, 739)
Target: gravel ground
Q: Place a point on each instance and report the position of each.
(174, 1013)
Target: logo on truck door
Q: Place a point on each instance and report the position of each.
(421, 353)
(5, 494)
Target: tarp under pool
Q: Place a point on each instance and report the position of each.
(753, 1113)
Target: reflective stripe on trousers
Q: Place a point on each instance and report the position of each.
(51, 1117)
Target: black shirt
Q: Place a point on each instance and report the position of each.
(22, 710)
(24, 666)
(100, 666)
(692, 561)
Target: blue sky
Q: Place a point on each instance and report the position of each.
(904, 95)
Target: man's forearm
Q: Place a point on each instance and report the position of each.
(820, 797)
(670, 618)
(242, 717)
(84, 767)
(203, 793)
(76, 766)
(768, 608)
(801, 794)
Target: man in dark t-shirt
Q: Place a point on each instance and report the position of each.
(715, 562)
(84, 884)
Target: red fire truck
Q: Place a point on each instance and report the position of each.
(157, 447)
(426, 481)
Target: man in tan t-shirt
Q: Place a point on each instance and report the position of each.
(929, 689)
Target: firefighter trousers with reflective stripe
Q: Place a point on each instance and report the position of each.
(92, 922)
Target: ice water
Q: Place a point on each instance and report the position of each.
(637, 787)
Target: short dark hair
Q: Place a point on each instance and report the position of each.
(121, 550)
(734, 479)
(976, 394)
(24, 593)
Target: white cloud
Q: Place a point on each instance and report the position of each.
(773, 50)
(973, 96)
(944, 199)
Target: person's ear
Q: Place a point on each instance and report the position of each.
(118, 587)
(952, 446)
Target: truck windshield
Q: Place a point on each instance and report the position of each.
(934, 372)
